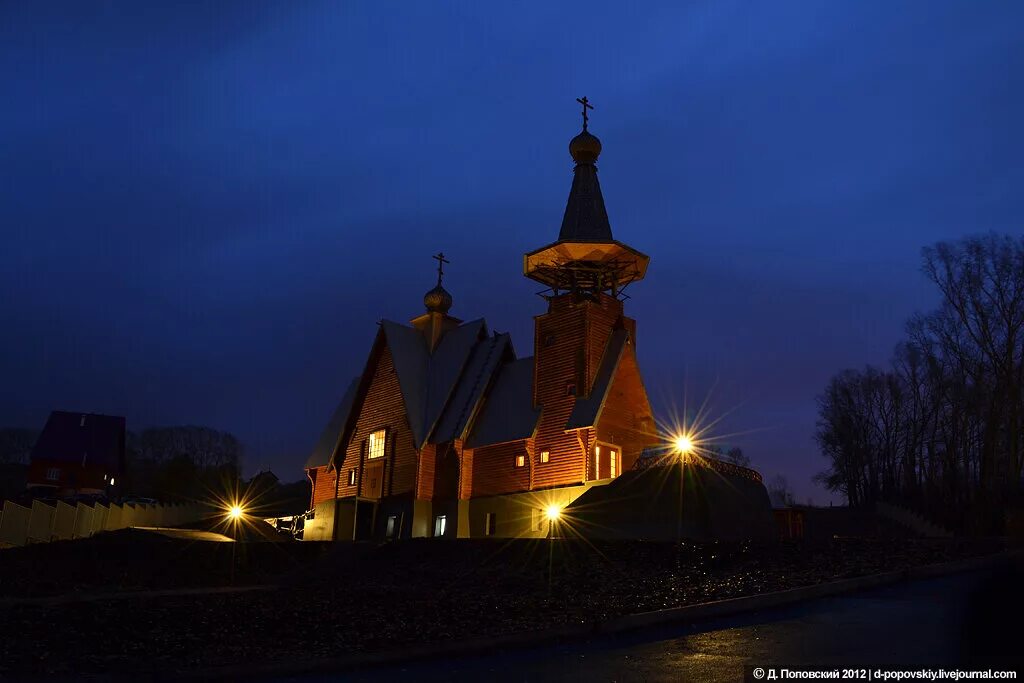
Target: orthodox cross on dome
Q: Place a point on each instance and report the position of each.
(441, 260)
(586, 105)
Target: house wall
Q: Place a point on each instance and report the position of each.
(73, 476)
(626, 420)
(518, 515)
(569, 343)
(494, 469)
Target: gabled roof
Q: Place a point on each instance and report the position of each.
(445, 374)
(428, 381)
(586, 411)
(478, 375)
(411, 357)
(508, 413)
(585, 219)
(325, 447)
(82, 438)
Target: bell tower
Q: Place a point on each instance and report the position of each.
(585, 273)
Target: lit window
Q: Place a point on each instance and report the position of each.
(111, 481)
(376, 444)
(520, 460)
(389, 532)
(440, 523)
(53, 474)
(351, 477)
(545, 456)
(490, 524)
(614, 462)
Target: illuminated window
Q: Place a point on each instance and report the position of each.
(389, 532)
(490, 524)
(351, 477)
(375, 448)
(440, 523)
(520, 460)
(614, 462)
(545, 456)
(597, 462)
(111, 481)
(53, 474)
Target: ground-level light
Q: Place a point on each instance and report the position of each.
(553, 512)
(683, 443)
(236, 512)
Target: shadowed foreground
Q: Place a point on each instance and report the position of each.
(332, 600)
(933, 623)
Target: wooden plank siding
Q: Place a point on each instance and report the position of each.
(495, 471)
(569, 344)
(323, 484)
(382, 408)
(626, 420)
(570, 340)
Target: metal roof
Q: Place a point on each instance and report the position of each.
(586, 410)
(585, 219)
(508, 413)
(446, 370)
(411, 357)
(324, 449)
(481, 367)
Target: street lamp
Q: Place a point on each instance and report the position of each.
(683, 444)
(553, 512)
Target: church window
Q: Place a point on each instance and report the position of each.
(549, 340)
(351, 477)
(53, 473)
(614, 462)
(389, 531)
(570, 388)
(520, 460)
(440, 523)
(375, 448)
(490, 524)
(545, 456)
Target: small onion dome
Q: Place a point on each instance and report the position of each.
(585, 148)
(437, 300)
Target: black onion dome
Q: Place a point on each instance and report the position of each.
(585, 148)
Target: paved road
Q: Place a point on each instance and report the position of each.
(947, 622)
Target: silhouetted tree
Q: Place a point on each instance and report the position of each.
(941, 429)
(16, 444)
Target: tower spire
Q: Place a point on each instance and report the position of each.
(586, 258)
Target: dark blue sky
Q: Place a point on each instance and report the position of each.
(206, 209)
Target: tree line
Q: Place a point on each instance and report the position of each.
(940, 429)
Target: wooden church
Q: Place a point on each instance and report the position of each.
(447, 433)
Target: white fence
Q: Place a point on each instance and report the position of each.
(42, 523)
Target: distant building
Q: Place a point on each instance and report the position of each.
(79, 453)
(448, 433)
